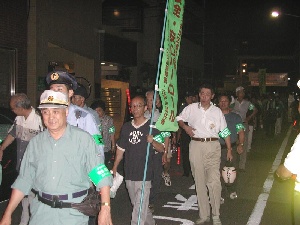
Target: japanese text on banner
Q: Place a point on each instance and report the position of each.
(168, 76)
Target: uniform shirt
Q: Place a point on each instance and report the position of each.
(234, 123)
(156, 115)
(291, 161)
(107, 129)
(79, 117)
(59, 167)
(133, 140)
(242, 108)
(94, 113)
(207, 123)
(23, 130)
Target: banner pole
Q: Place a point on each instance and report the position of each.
(153, 109)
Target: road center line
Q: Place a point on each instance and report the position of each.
(261, 202)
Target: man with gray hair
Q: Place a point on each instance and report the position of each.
(241, 106)
(59, 164)
(27, 124)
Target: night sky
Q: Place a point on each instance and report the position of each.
(245, 27)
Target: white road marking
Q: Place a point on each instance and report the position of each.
(183, 221)
(183, 203)
(257, 213)
(193, 187)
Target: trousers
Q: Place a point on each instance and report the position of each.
(134, 190)
(205, 160)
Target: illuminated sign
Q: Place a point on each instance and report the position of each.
(272, 79)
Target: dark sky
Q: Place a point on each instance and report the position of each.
(230, 23)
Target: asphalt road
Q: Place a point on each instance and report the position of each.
(261, 199)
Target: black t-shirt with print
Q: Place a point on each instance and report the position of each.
(133, 139)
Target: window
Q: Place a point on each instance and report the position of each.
(7, 74)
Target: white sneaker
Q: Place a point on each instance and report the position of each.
(166, 178)
(222, 200)
(202, 220)
(233, 195)
(216, 220)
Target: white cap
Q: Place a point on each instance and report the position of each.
(240, 88)
(53, 99)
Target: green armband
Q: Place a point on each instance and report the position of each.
(98, 139)
(159, 138)
(111, 130)
(239, 127)
(165, 134)
(98, 173)
(224, 133)
(251, 107)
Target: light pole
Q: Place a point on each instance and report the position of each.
(277, 13)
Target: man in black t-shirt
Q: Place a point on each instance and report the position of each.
(134, 140)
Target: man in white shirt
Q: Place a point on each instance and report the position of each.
(206, 124)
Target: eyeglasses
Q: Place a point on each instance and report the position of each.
(139, 106)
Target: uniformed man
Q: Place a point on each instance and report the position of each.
(59, 164)
(66, 83)
(79, 98)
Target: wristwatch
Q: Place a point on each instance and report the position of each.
(105, 204)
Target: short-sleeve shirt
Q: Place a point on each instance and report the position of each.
(156, 115)
(60, 166)
(242, 108)
(79, 117)
(232, 119)
(207, 123)
(133, 140)
(292, 159)
(94, 113)
(108, 129)
(23, 130)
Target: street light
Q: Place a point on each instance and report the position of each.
(277, 13)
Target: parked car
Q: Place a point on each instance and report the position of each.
(9, 159)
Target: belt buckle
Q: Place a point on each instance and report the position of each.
(55, 202)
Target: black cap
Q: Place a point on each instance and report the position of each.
(61, 77)
(81, 90)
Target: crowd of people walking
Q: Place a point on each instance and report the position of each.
(220, 124)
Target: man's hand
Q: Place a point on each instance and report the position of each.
(240, 149)
(164, 158)
(113, 149)
(104, 217)
(1, 155)
(6, 220)
(189, 130)
(114, 170)
(150, 138)
(229, 155)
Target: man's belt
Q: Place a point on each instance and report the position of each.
(54, 201)
(205, 139)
